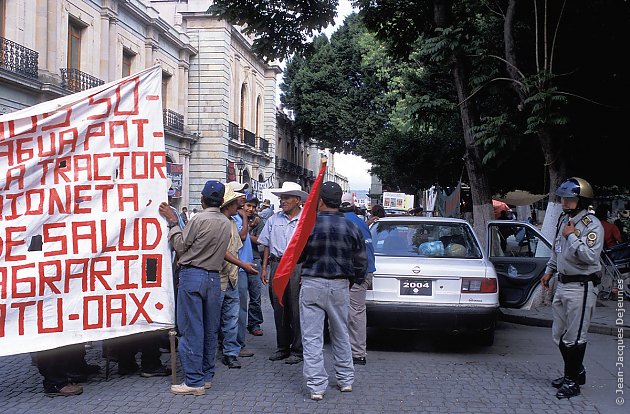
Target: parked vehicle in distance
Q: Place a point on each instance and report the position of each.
(433, 274)
(395, 211)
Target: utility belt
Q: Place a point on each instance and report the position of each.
(274, 259)
(577, 278)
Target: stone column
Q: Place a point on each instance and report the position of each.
(113, 42)
(105, 46)
(182, 97)
(53, 33)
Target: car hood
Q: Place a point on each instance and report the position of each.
(433, 267)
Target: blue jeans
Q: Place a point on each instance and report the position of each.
(250, 315)
(198, 317)
(229, 321)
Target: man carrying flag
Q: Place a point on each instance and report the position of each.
(334, 258)
(275, 236)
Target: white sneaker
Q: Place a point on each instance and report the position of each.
(345, 388)
(183, 389)
(207, 385)
(317, 396)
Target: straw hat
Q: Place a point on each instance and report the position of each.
(230, 195)
(291, 189)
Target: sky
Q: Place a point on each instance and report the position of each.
(353, 167)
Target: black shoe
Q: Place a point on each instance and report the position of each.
(294, 359)
(279, 355)
(231, 361)
(581, 380)
(359, 360)
(63, 391)
(160, 371)
(569, 389)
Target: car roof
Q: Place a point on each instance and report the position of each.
(422, 219)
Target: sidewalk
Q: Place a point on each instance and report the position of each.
(605, 317)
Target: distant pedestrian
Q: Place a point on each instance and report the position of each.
(575, 257)
(612, 235)
(251, 308)
(334, 258)
(184, 215)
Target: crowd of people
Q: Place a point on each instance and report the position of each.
(223, 256)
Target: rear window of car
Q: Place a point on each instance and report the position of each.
(421, 239)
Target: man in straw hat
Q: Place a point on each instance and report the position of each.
(275, 237)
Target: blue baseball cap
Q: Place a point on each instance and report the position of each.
(251, 198)
(213, 190)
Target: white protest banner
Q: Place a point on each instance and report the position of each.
(259, 186)
(83, 249)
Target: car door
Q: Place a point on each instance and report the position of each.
(519, 253)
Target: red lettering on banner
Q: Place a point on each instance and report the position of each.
(40, 146)
(23, 154)
(86, 160)
(108, 107)
(72, 141)
(99, 274)
(15, 174)
(135, 165)
(8, 153)
(55, 201)
(104, 188)
(86, 313)
(97, 169)
(45, 280)
(121, 163)
(139, 123)
(14, 199)
(140, 308)
(158, 271)
(64, 123)
(10, 243)
(48, 238)
(3, 279)
(112, 134)
(126, 275)
(28, 280)
(91, 235)
(104, 240)
(40, 318)
(82, 275)
(3, 318)
(30, 211)
(134, 111)
(145, 231)
(62, 166)
(158, 164)
(111, 311)
(21, 307)
(44, 165)
(79, 199)
(122, 198)
(135, 231)
(94, 130)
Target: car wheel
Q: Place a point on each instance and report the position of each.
(486, 338)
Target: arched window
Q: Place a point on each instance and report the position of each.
(259, 116)
(243, 108)
(261, 177)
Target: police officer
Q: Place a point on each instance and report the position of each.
(575, 257)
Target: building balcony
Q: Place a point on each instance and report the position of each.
(74, 80)
(249, 138)
(173, 120)
(263, 145)
(18, 59)
(234, 132)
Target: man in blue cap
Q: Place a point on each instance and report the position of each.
(202, 247)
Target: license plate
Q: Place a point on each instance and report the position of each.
(415, 287)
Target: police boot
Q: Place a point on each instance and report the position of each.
(581, 378)
(575, 357)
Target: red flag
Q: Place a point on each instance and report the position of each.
(300, 237)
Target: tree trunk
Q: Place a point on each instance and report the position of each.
(554, 160)
(479, 185)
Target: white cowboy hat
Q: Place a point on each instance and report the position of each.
(291, 189)
(230, 195)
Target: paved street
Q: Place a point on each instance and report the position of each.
(406, 372)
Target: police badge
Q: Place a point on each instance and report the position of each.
(591, 238)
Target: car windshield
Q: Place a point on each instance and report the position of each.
(424, 239)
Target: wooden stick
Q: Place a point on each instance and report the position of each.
(171, 340)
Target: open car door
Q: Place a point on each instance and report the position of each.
(519, 253)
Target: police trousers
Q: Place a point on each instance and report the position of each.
(572, 307)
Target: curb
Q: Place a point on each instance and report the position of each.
(546, 323)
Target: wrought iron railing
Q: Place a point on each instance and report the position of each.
(76, 81)
(233, 131)
(18, 59)
(249, 138)
(173, 120)
(263, 144)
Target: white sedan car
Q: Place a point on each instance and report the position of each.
(433, 274)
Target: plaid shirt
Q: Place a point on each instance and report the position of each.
(335, 249)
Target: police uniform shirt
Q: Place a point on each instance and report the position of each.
(579, 253)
